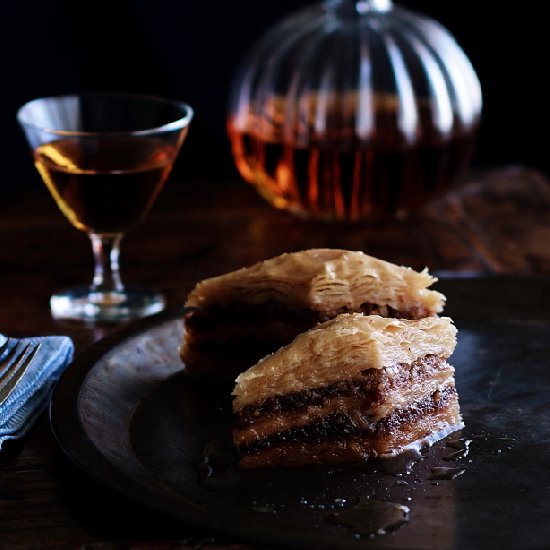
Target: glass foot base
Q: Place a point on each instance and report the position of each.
(84, 304)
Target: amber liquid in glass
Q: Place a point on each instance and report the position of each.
(341, 177)
(104, 186)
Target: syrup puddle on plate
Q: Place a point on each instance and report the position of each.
(370, 518)
(217, 467)
(370, 507)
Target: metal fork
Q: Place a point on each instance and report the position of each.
(14, 365)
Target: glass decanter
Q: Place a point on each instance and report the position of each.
(350, 110)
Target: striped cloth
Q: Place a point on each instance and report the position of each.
(30, 396)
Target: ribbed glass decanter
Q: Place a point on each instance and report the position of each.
(350, 110)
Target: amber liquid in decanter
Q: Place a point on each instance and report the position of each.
(337, 175)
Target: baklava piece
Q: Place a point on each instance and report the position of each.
(240, 317)
(352, 388)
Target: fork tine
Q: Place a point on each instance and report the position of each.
(8, 360)
(4, 345)
(15, 371)
(12, 360)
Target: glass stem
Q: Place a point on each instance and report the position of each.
(106, 267)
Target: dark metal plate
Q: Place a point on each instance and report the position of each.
(127, 415)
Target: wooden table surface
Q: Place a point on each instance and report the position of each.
(498, 223)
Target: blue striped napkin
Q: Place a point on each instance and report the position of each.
(31, 394)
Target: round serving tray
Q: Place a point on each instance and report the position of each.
(125, 412)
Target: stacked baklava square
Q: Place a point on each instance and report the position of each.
(339, 356)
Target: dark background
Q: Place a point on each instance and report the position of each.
(190, 50)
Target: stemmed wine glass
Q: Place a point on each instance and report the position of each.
(104, 159)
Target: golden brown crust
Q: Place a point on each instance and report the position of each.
(322, 280)
(341, 349)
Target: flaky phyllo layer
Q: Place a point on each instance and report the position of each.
(322, 280)
(240, 317)
(341, 349)
(353, 387)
